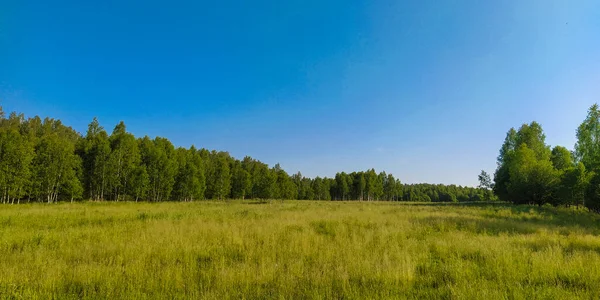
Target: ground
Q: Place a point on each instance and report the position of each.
(298, 249)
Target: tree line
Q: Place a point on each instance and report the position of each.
(531, 172)
(47, 161)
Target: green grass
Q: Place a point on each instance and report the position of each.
(297, 249)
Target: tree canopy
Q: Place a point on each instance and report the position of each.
(46, 161)
(528, 172)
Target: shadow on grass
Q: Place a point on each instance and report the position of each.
(562, 219)
(568, 247)
(519, 218)
(474, 225)
(477, 203)
(254, 202)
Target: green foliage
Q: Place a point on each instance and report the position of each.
(502, 176)
(43, 160)
(587, 148)
(140, 182)
(528, 172)
(158, 156)
(16, 155)
(190, 183)
(285, 187)
(561, 158)
(241, 182)
(265, 180)
(122, 162)
(485, 182)
(94, 149)
(341, 186)
(55, 167)
(221, 179)
(592, 194)
(320, 187)
(573, 185)
(424, 192)
(532, 180)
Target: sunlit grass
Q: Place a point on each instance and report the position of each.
(297, 249)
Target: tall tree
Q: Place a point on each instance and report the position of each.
(16, 155)
(189, 182)
(533, 180)
(158, 158)
(95, 153)
(592, 193)
(221, 186)
(54, 166)
(320, 189)
(587, 148)
(123, 161)
(561, 158)
(140, 182)
(265, 182)
(285, 187)
(241, 183)
(390, 187)
(502, 176)
(530, 141)
(342, 186)
(573, 185)
(485, 182)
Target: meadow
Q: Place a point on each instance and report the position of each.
(297, 249)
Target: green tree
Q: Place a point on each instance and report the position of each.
(54, 166)
(502, 176)
(265, 181)
(592, 193)
(561, 158)
(485, 182)
(320, 189)
(222, 177)
(95, 153)
(533, 180)
(122, 162)
(359, 185)
(587, 148)
(241, 183)
(16, 155)
(573, 185)
(371, 184)
(140, 182)
(486, 185)
(389, 187)
(285, 187)
(342, 185)
(158, 158)
(510, 177)
(189, 182)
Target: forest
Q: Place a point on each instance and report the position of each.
(48, 161)
(531, 172)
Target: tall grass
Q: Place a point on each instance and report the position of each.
(297, 249)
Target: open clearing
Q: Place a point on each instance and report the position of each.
(298, 249)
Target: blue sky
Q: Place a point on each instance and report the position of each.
(425, 90)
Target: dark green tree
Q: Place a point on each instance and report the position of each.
(561, 158)
(587, 148)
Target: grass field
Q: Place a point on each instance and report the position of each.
(297, 249)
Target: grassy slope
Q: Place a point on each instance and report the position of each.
(297, 249)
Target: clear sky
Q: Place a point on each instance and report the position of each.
(425, 90)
